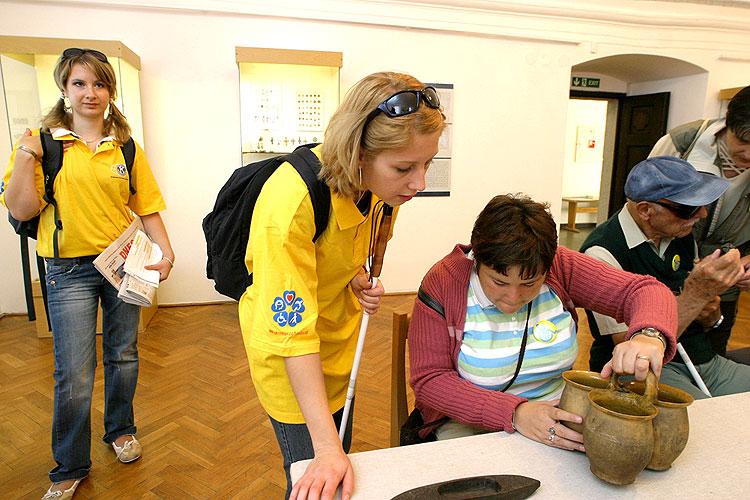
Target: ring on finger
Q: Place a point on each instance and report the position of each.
(551, 438)
(641, 356)
(552, 429)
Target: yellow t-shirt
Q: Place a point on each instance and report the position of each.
(93, 197)
(299, 302)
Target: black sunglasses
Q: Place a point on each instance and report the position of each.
(75, 52)
(682, 211)
(404, 102)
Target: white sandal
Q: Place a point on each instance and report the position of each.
(61, 494)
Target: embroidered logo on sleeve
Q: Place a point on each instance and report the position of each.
(2, 187)
(288, 309)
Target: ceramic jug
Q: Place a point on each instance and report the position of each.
(671, 425)
(618, 433)
(575, 395)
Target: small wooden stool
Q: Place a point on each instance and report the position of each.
(573, 208)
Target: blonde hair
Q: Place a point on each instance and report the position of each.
(115, 124)
(344, 147)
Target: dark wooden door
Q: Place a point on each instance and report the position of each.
(641, 122)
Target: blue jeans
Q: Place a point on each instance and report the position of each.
(74, 289)
(295, 443)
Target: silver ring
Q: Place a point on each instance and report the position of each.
(641, 356)
(552, 429)
(551, 438)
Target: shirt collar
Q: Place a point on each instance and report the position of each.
(347, 213)
(476, 285)
(634, 236)
(61, 133)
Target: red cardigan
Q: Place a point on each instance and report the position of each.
(579, 281)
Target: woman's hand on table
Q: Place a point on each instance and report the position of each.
(328, 469)
(635, 357)
(369, 296)
(540, 421)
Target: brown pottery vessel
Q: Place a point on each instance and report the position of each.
(575, 395)
(671, 425)
(618, 433)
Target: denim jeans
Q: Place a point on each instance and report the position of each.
(295, 443)
(74, 289)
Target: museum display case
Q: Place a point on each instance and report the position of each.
(286, 98)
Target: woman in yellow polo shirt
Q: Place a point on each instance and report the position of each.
(94, 199)
(301, 315)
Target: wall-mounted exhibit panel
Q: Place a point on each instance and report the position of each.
(286, 97)
(29, 89)
(438, 178)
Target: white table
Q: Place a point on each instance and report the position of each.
(715, 463)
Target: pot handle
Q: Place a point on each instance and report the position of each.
(615, 385)
(651, 392)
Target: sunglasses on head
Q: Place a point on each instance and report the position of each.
(75, 52)
(404, 103)
(681, 211)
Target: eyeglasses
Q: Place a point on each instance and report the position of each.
(75, 52)
(405, 102)
(682, 211)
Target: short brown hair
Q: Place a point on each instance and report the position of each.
(514, 230)
(345, 149)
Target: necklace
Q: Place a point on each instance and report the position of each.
(93, 140)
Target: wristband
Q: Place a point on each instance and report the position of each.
(28, 150)
(168, 260)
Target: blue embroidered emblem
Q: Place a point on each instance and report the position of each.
(290, 300)
(2, 187)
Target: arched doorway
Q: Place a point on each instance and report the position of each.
(645, 95)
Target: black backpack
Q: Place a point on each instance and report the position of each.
(52, 159)
(227, 227)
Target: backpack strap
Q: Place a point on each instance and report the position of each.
(430, 302)
(51, 165)
(128, 152)
(308, 166)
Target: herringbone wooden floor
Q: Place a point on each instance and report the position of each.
(204, 434)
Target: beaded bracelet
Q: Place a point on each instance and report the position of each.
(168, 260)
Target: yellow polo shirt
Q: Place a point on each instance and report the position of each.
(299, 302)
(93, 197)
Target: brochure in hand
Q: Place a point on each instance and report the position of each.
(123, 265)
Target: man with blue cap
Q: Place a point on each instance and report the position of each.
(652, 234)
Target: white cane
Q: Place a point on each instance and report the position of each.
(377, 265)
(692, 370)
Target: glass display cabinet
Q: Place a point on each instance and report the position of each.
(286, 98)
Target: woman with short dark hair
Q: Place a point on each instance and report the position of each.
(493, 360)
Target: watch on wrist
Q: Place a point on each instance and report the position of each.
(653, 333)
(718, 322)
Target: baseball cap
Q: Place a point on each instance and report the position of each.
(673, 179)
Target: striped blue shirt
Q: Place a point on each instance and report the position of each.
(492, 342)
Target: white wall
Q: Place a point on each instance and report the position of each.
(686, 99)
(582, 175)
(510, 104)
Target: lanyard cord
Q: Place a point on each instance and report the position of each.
(523, 348)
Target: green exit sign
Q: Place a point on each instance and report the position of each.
(586, 82)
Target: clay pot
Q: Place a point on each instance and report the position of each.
(671, 425)
(575, 395)
(618, 433)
